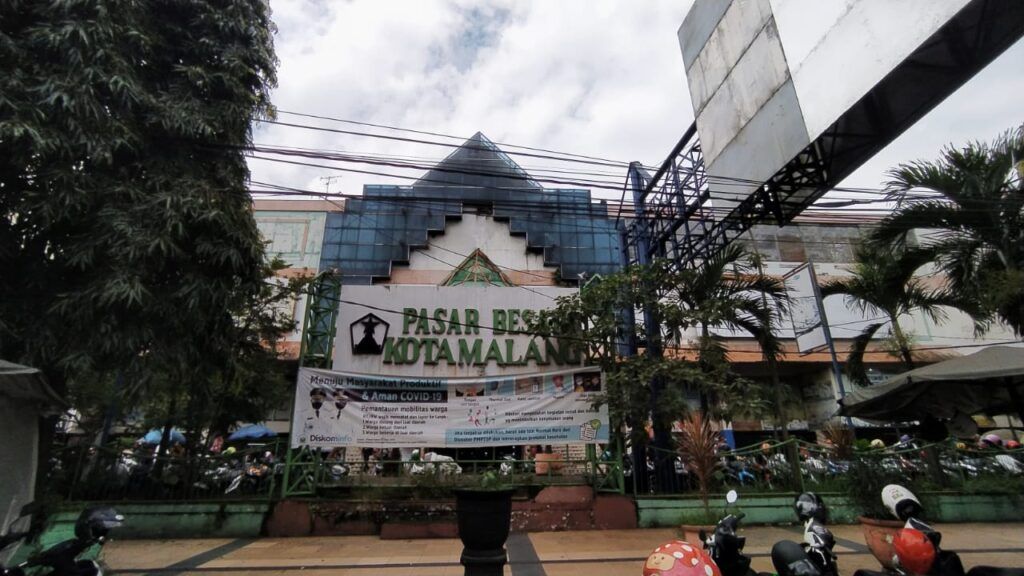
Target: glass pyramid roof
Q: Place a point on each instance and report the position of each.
(380, 229)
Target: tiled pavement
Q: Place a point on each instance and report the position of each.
(590, 553)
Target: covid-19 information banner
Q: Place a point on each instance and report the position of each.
(341, 409)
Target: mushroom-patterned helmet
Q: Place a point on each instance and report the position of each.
(679, 558)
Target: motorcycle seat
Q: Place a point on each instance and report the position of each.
(993, 571)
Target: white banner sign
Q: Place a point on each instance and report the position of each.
(446, 331)
(344, 409)
(804, 309)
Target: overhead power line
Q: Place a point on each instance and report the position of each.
(573, 338)
(441, 144)
(719, 185)
(397, 202)
(443, 135)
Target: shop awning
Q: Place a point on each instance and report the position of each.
(990, 381)
(27, 383)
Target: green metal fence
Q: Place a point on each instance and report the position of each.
(86, 474)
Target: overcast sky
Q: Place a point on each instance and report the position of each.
(590, 77)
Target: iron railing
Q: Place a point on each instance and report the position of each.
(941, 465)
(106, 475)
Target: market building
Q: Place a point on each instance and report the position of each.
(477, 219)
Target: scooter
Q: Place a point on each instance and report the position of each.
(916, 545)
(91, 528)
(725, 547)
(814, 556)
(818, 539)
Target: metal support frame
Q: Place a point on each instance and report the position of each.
(318, 326)
(318, 331)
(674, 217)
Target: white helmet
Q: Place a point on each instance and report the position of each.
(900, 501)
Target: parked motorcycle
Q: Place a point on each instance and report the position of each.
(91, 528)
(916, 545)
(814, 556)
(726, 547)
(434, 463)
(818, 540)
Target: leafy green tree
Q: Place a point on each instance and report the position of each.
(126, 232)
(245, 389)
(594, 323)
(126, 235)
(727, 291)
(883, 283)
(976, 210)
(600, 321)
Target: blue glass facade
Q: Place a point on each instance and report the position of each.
(380, 229)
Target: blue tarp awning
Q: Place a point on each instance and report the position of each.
(251, 432)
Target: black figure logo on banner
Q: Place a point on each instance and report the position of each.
(368, 334)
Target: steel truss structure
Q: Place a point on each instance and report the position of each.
(674, 217)
(674, 211)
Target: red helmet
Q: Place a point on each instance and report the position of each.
(915, 553)
(679, 558)
(1012, 444)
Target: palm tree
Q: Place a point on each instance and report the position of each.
(883, 284)
(728, 291)
(979, 214)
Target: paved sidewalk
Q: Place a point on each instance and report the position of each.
(590, 553)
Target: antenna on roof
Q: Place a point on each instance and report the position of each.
(327, 182)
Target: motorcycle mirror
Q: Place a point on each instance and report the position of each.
(731, 497)
(29, 509)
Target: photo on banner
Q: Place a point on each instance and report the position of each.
(343, 409)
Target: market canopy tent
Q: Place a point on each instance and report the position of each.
(24, 398)
(990, 381)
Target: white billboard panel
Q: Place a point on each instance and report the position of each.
(769, 77)
(805, 310)
(838, 50)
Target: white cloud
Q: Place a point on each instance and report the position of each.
(602, 78)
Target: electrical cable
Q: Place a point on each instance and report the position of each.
(599, 342)
(434, 143)
(826, 204)
(551, 208)
(426, 133)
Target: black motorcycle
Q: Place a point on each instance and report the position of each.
(815, 555)
(922, 555)
(91, 528)
(818, 539)
(726, 547)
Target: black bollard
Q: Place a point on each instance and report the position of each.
(484, 562)
(484, 518)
